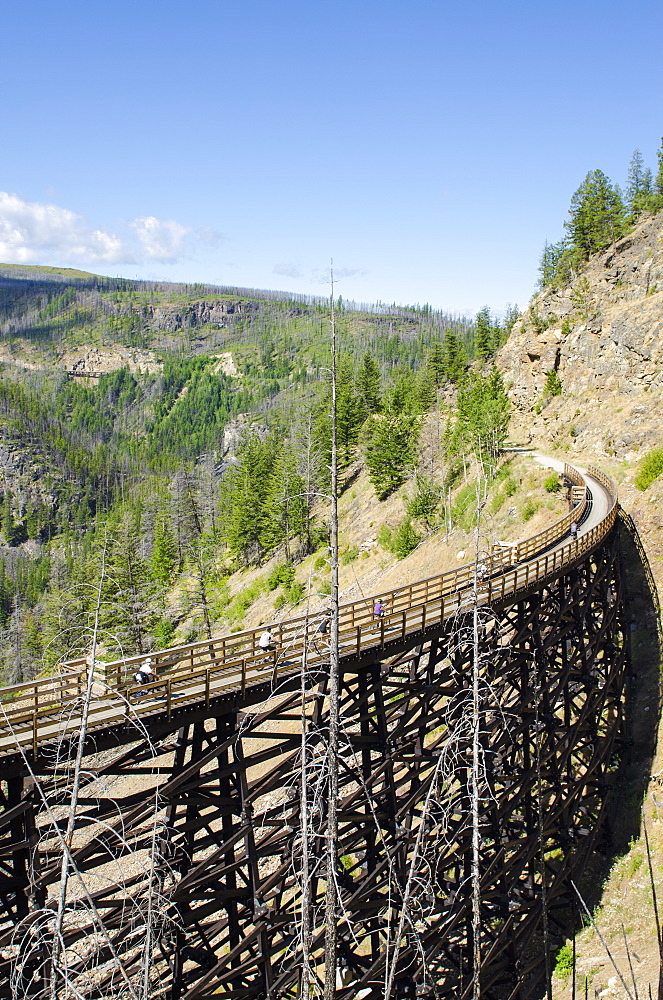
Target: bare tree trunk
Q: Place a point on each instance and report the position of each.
(202, 589)
(476, 749)
(332, 748)
(303, 813)
(75, 790)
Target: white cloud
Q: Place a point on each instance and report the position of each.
(30, 232)
(36, 233)
(160, 239)
(289, 270)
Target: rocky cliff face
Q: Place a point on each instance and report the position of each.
(170, 317)
(603, 335)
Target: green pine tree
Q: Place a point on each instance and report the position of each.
(369, 385)
(390, 450)
(596, 215)
(435, 362)
(246, 490)
(285, 504)
(128, 592)
(455, 356)
(483, 411)
(658, 180)
(483, 335)
(164, 552)
(350, 411)
(401, 396)
(639, 187)
(424, 393)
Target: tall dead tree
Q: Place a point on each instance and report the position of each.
(476, 758)
(331, 900)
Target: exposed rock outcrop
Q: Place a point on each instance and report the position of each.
(87, 360)
(171, 317)
(603, 335)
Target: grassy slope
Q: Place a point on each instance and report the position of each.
(367, 568)
(34, 272)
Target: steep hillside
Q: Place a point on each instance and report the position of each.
(522, 500)
(174, 436)
(602, 337)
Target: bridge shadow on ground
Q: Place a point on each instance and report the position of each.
(641, 718)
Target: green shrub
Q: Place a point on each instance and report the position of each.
(553, 386)
(424, 501)
(650, 468)
(221, 598)
(530, 508)
(454, 472)
(320, 562)
(164, 632)
(281, 575)
(384, 537)
(463, 510)
(349, 555)
(564, 961)
(496, 502)
(632, 864)
(281, 599)
(401, 541)
(295, 592)
(510, 486)
(552, 483)
(243, 601)
(404, 539)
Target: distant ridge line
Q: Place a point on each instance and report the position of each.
(34, 275)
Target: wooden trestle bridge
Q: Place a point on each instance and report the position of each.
(197, 797)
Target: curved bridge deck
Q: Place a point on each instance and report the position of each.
(187, 860)
(195, 674)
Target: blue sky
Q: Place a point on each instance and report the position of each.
(429, 148)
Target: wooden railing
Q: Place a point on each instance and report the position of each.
(518, 552)
(193, 674)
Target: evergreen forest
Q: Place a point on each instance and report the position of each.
(156, 437)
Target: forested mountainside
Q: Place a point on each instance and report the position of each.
(157, 437)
